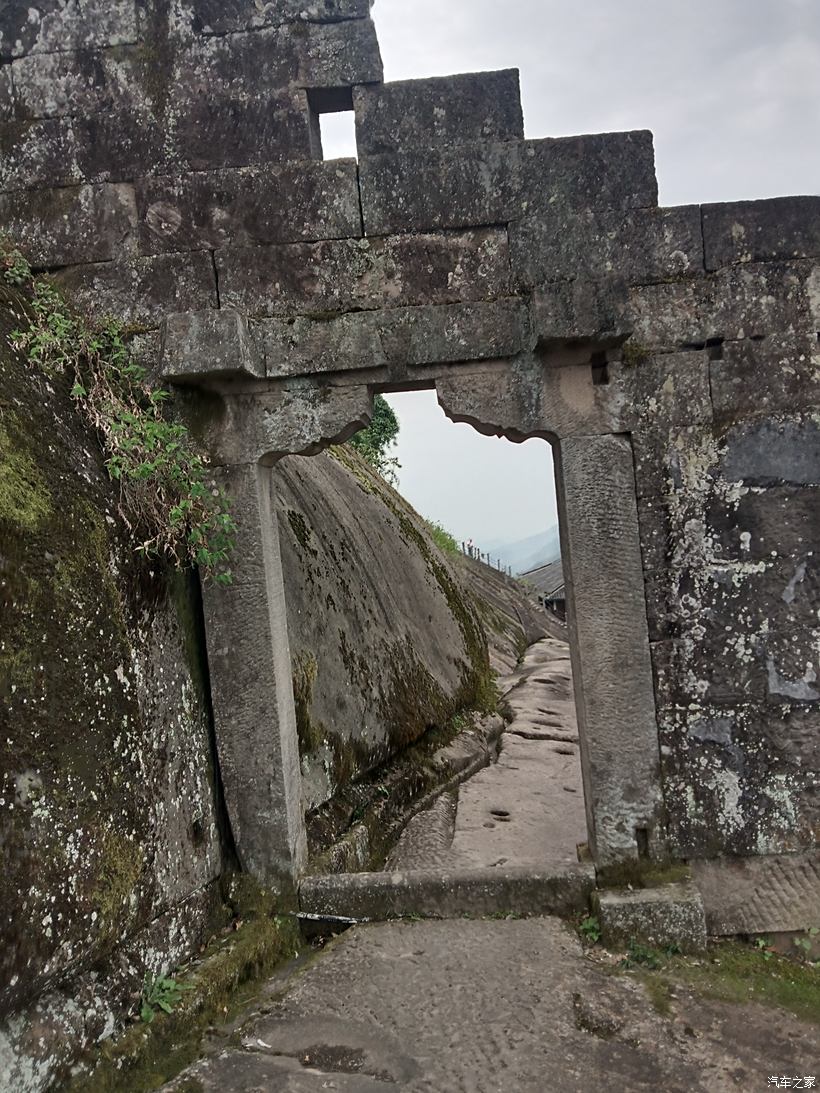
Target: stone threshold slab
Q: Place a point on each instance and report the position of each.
(553, 890)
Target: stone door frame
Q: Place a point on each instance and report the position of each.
(257, 419)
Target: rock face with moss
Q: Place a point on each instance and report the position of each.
(387, 638)
(108, 826)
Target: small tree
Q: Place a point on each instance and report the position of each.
(374, 442)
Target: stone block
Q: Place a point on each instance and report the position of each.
(379, 896)
(197, 344)
(400, 336)
(340, 55)
(671, 914)
(48, 85)
(346, 275)
(141, 291)
(760, 895)
(7, 104)
(773, 453)
(49, 26)
(70, 225)
(38, 154)
(580, 310)
(735, 778)
(668, 390)
(230, 16)
(779, 228)
(743, 302)
(774, 374)
(249, 205)
(640, 247)
(443, 112)
(763, 523)
(233, 132)
(497, 183)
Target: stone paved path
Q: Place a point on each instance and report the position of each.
(491, 1007)
(526, 809)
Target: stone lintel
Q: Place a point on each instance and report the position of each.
(441, 112)
(198, 345)
(398, 336)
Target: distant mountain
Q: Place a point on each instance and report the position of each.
(524, 554)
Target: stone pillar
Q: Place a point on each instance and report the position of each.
(252, 690)
(609, 639)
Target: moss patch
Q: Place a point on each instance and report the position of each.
(147, 1056)
(25, 500)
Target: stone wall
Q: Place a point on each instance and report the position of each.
(537, 285)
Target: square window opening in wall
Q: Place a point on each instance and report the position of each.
(333, 123)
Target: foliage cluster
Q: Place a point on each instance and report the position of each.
(442, 538)
(374, 443)
(167, 499)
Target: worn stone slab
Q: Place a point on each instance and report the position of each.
(497, 183)
(249, 205)
(142, 290)
(776, 229)
(485, 1007)
(442, 112)
(337, 276)
(47, 26)
(760, 894)
(70, 225)
(671, 914)
(40, 154)
(449, 893)
(213, 343)
(402, 336)
(639, 246)
(761, 523)
(230, 16)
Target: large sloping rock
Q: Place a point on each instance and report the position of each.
(386, 643)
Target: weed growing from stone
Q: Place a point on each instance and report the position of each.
(590, 929)
(159, 993)
(168, 502)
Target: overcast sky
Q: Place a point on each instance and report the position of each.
(731, 90)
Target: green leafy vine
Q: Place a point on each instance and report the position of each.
(168, 499)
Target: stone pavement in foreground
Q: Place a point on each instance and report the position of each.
(478, 1006)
